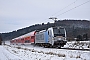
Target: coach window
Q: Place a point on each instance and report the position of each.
(27, 41)
(22, 39)
(32, 37)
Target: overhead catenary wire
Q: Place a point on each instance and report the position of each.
(69, 9)
(73, 8)
(65, 7)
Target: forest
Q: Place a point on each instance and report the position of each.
(76, 29)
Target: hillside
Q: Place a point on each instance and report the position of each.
(75, 29)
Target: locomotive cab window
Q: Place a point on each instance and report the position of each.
(59, 32)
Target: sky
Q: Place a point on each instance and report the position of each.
(17, 14)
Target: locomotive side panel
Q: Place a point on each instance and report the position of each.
(41, 37)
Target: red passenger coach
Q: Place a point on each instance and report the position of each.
(24, 39)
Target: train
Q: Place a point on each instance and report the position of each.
(51, 37)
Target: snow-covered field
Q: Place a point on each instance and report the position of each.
(6, 55)
(78, 44)
(29, 52)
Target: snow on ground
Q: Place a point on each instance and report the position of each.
(78, 44)
(6, 55)
(30, 52)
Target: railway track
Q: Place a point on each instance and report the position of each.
(63, 48)
(68, 48)
(76, 49)
(71, 49)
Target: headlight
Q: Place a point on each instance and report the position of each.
(59, 38)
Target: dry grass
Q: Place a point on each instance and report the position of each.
(18, 47)
(14, 51)
(78, 57)
(61, 55)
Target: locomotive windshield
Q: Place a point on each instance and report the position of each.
(59, 32)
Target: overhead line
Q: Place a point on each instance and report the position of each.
(73, 8)
(65, 7)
